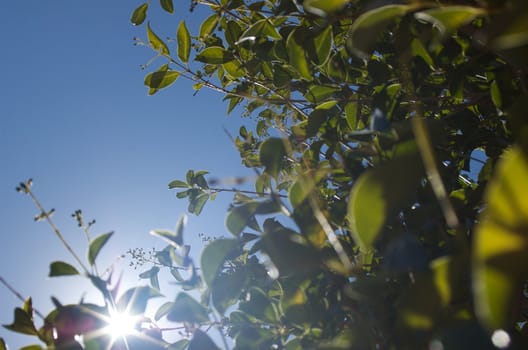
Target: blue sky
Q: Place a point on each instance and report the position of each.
(75, 117)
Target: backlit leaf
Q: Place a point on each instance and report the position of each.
(297, 54)
(187, 309)
(208, 25)
(23, 323)
(155, 42)
(215, 55)
(214, 256)
(59, 268)
(160, 79)
(501, 242)
(261, 29)
(184, 42)
(96, 245)
(380, 193)
(201, 341)
(323, 44)
(139, 14)
(367, 28)
(448, 19)
(134, 300)
(271, 155)
(324, 7)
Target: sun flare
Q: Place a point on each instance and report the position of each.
(121, 324)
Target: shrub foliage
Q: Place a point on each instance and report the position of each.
(388, 209)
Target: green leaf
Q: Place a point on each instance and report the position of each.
(324, 7)
(178, 184)
(215, 55)
(319, 93)
(495, 93)
(213, 257)
(367, 28)
(259, 305)
(179, 345)
(323, 44)
(201, 341)
(240, 217)
(134, 300)
(152, 275)
(261, 29)
(156, 43)
(23, 323)
(227, 288)
(448, 19)
(184, 42)
(96, 245)
(139, 14)
(160, 79)
(59, 268)
(380, 193)
(31, 347)
(297, 54)
(501, 242)
(271, 154)
(3, 345)
(169, 236)
(351, 110)
(207, 26)
(167, 5)
(163, 310)
(186, 309)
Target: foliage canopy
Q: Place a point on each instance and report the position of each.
(388, 208)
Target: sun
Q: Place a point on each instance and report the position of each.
(120, 324)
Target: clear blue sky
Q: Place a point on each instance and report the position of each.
(75, 116)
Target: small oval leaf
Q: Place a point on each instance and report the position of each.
(156, 43)
(184, 42)
(215, 55)
(96, 245)
(60, 268)
(167, 5)
(139, 14)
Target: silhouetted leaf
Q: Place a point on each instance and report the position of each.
(186, 309)
(59, 268)
(96, 245)
(201, 341)
(271, 155)
(380, 193)
(23, 323)
(214, 256)
(134, 300)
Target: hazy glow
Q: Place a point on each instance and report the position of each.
(120, 325)
(500, 339)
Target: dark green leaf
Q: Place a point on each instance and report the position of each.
(59, 268)
(271, 154)
(155, 42)
(227, 288)
(215, 55)
(179, 345)
(380, 193)
(495, 93)
(201, 341)
(186, 309)
(259, 305)
(167, 5)
(184, 42)
(163, 310)
(139, 14)
(240, 217)
(23, 323)
(214, 256)
(297, 54)
(96, 245)
(196, 205)
(134, 301)
(366, 29)
(261, 29)
(178, 184)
